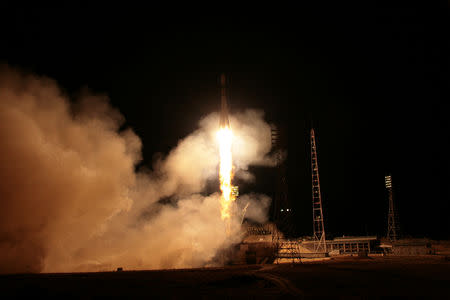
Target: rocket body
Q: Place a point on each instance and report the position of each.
(224, 121)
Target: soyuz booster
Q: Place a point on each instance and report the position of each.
(224, 121)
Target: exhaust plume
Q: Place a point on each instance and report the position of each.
(70, 199)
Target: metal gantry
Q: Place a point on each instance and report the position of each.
(392, 232)
(319, 230)
(289, 251)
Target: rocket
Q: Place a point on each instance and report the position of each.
(224, 121)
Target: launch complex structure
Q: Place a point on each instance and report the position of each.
(275, 242)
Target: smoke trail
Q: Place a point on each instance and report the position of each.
(70, 199)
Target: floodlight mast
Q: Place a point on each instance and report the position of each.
(392, 232)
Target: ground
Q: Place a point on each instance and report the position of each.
(343, 277)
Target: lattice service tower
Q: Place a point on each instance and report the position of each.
(319, 230)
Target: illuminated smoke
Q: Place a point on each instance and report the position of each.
(70, 199)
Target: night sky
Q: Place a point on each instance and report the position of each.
(372, 81)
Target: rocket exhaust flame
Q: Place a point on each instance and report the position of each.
(225, 138)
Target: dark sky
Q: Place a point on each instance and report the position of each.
(371, 79)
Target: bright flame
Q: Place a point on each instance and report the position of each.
(225, 137)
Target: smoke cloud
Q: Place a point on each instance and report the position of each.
(71, 200)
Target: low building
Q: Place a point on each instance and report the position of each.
(353, 244)
(407, 247)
